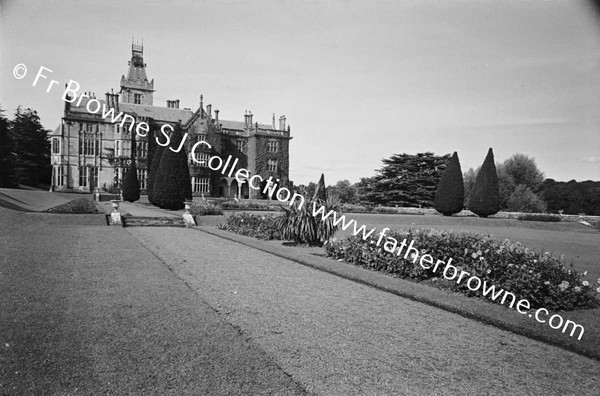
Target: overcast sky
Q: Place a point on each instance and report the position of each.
(358, 80)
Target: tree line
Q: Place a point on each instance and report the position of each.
(24, 150)
(412, 181)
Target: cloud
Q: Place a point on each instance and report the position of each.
(592, 159)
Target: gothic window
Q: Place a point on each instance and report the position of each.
(59, 175)
(272, 146)
(142, 149)
(56, 145)
(272, 165)
(141, 174)
(137, 98)
(117, 148)
(83, 173)
(239, 143)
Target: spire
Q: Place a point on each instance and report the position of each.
(135, 87)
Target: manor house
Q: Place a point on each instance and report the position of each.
(89, 151)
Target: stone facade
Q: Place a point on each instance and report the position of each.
(89, 150)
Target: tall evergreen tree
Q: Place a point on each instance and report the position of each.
(485, 196)
(131, 184)
(151, 181)
(172, 183)
(321, 191)
(6, 155)
(152, 146)
(450, 194)
(404, 180)
(31, 148)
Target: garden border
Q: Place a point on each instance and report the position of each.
(472, 308)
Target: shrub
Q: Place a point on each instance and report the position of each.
(485, 196)
(131, 185)
(172, 183)
(540, 217)
(152, 171)
(450, 193)
(352, 208)
(247, 206)
(111, 188)
(205, 209)
(540, 278)
(257, 226)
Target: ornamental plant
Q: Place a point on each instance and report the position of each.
(152, 170)
(300, 226)
(484, 200)
(256, 226)
(131, 184)
(546, 281)
(172, 184)
(450, 193)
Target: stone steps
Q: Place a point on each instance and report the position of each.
(138, 221)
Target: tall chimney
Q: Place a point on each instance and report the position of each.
(282, 123)
(216, 116)
(209, 111)
(273, 120)
(201, 102)
(249, 118)
(177, 104)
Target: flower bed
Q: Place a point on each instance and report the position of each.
(540, 217)
(81, 205)
(541, 278)
(257, 226)
(205, 209)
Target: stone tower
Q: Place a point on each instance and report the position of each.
(135, 88)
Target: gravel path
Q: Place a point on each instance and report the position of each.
(339, 338)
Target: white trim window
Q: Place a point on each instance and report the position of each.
(272, 165)
(200, 157)
(59, 181)
(200, 184)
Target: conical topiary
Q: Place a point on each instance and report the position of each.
(172, 183)
(485, 195)
(131, 184)
(450, 193)
(152, 146)
(153, 168)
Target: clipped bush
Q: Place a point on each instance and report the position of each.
(152, 170)
(256, 226)
(540, 217)
(205, 209)
(353, 208)
(484, 200)
(450, 193)
(172, 183)
(131, 185)
(542, 279)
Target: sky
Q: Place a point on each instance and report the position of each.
(357, 80)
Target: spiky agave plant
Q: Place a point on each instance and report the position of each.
(299, 224)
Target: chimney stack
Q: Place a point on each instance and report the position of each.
(209, 111)
(282, 123)
(201, 102)
(250, 118)
(216, 116)
(273, 120)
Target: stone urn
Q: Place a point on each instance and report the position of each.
(115, 204)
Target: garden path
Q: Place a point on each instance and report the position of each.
(339, 337)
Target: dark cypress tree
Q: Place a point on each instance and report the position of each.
(485, 195)
(172, 183)
(154, 166)
(131, 184)
(6, 156)
(450, 193)
(151, 150)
